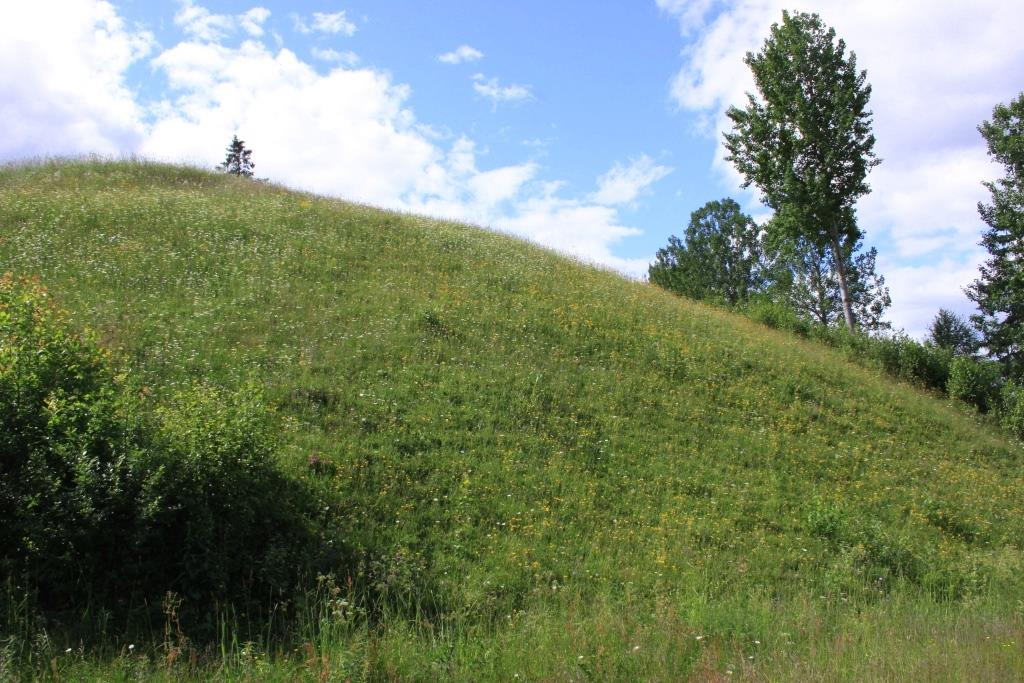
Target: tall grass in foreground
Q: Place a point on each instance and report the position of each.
(533, 467)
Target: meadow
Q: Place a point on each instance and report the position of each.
(531, 468)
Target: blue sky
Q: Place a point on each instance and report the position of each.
(593, 128)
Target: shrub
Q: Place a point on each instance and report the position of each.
(974, 382)
(776, 315)
(1011, 407)
(887, 353)
(928, 365)
(214, 494)
(103, 496)
(64, 452)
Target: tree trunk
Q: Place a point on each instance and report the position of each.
(843, 289)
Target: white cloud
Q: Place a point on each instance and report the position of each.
(491, 188)
(691, 13)
(201, 24)
(623, 184)
(936, 69)
(287, 112)
(252, 21)
(348, 58)
(62, 88)
(461, 54)
(581, 229)
(332, 23)
(927, 288)
(492, 90)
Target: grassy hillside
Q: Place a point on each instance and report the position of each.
(543, 470)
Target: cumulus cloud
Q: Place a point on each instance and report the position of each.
(62, 86)
(691, 13)
(252, 21)
(201, 24)
(492, 90)
(932, 85)
(348, 58)
(461, 54)
(926, 288)
(322, 22)
(346, 132)
(623, 184)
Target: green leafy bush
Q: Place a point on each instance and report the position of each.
(928, 365)
(974, 382)
(1011, 407)
(776, 315)
(104, 496)
(896, 354)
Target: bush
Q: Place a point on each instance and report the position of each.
(214, 494)
(928, 365)
(974, 382)
(776, 315)
(103, 496)
(1011, 407)
(64, 452)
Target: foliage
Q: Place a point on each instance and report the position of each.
(897, 354)
(106, 497)
(807, 143)
(64, 454)
(975, 382)
(528, 460)
(776, 314)
(719, 260)
(805, 277)
(950, 331)
(1011, 407)
(999, 291)
(238, 159)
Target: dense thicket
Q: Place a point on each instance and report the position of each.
(108, 498)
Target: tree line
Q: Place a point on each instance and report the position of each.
(804, 141)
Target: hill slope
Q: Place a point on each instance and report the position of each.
(546, 469)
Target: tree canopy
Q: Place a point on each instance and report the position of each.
(806, 144)
(950, 331)
(720, 259)
(999, 291)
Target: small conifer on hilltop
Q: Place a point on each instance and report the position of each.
(238, 160)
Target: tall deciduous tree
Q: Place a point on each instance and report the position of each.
(806, 144)
(720, 259)
(238, 160)
(999, 292)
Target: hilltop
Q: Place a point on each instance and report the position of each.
(545, 469)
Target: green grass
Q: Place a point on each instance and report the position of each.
(548, 470)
